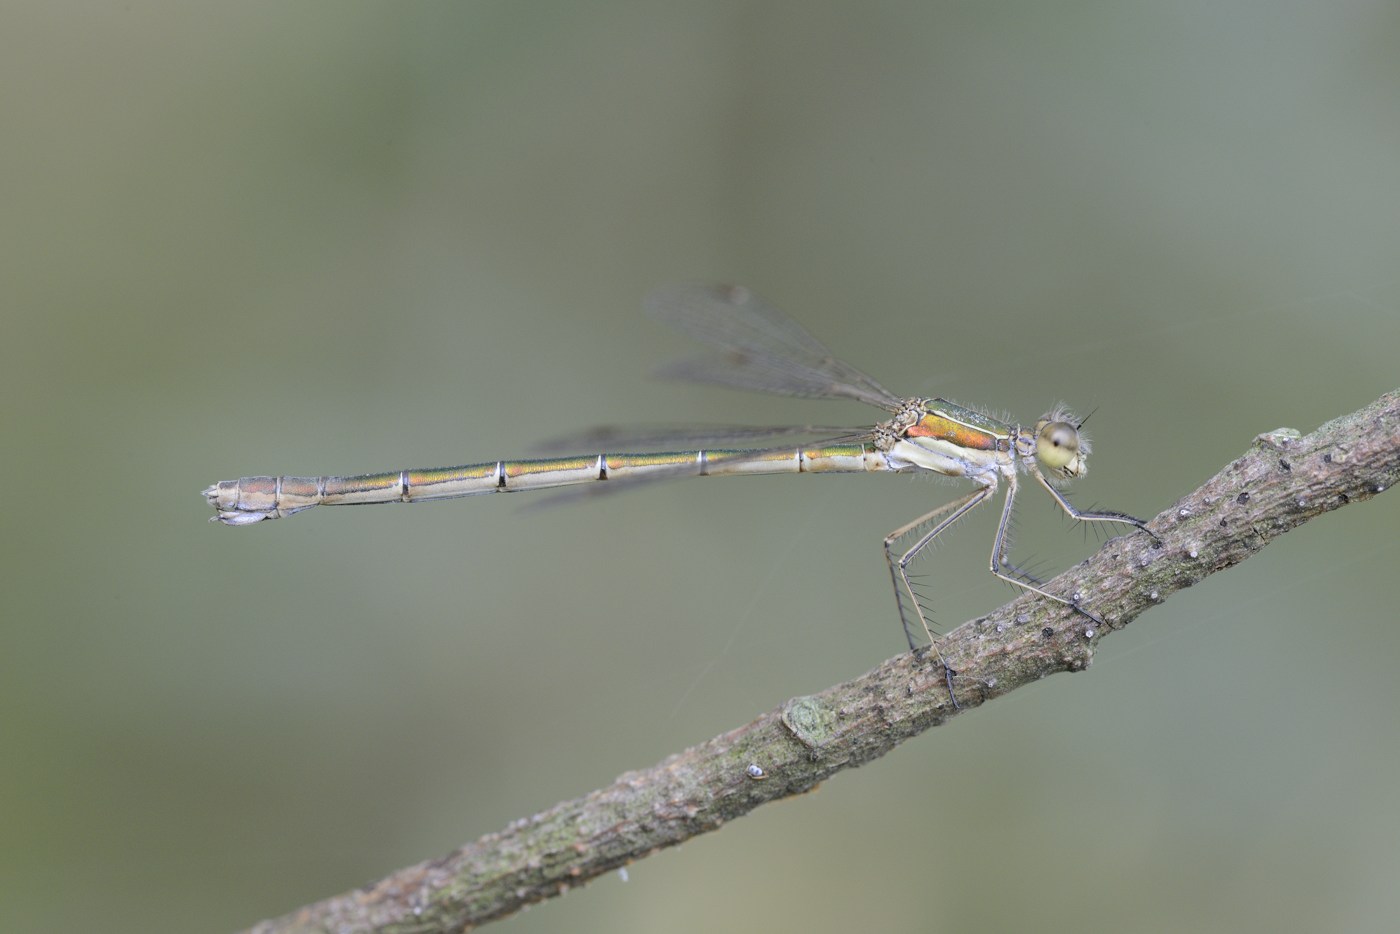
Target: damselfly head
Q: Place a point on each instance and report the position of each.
(1060, 446)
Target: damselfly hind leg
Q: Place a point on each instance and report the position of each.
(911, 610)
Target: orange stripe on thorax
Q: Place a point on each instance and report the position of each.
(964, 436)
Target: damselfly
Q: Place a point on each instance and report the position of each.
(759, 348)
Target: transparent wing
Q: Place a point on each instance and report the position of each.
(614, 439)
(759, 347)
(616, 485)
(551, 499)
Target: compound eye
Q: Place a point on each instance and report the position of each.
(1057, 447)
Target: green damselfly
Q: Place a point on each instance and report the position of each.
(758, 348)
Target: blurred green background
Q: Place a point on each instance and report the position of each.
(338, 237)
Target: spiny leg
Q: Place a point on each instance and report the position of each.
(1001, 560)
(899, 567)
(1080, 515)
(899, 571)
(1001, 546)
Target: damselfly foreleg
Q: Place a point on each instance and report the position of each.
(1081, 515)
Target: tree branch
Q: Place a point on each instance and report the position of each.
(1282, 481)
